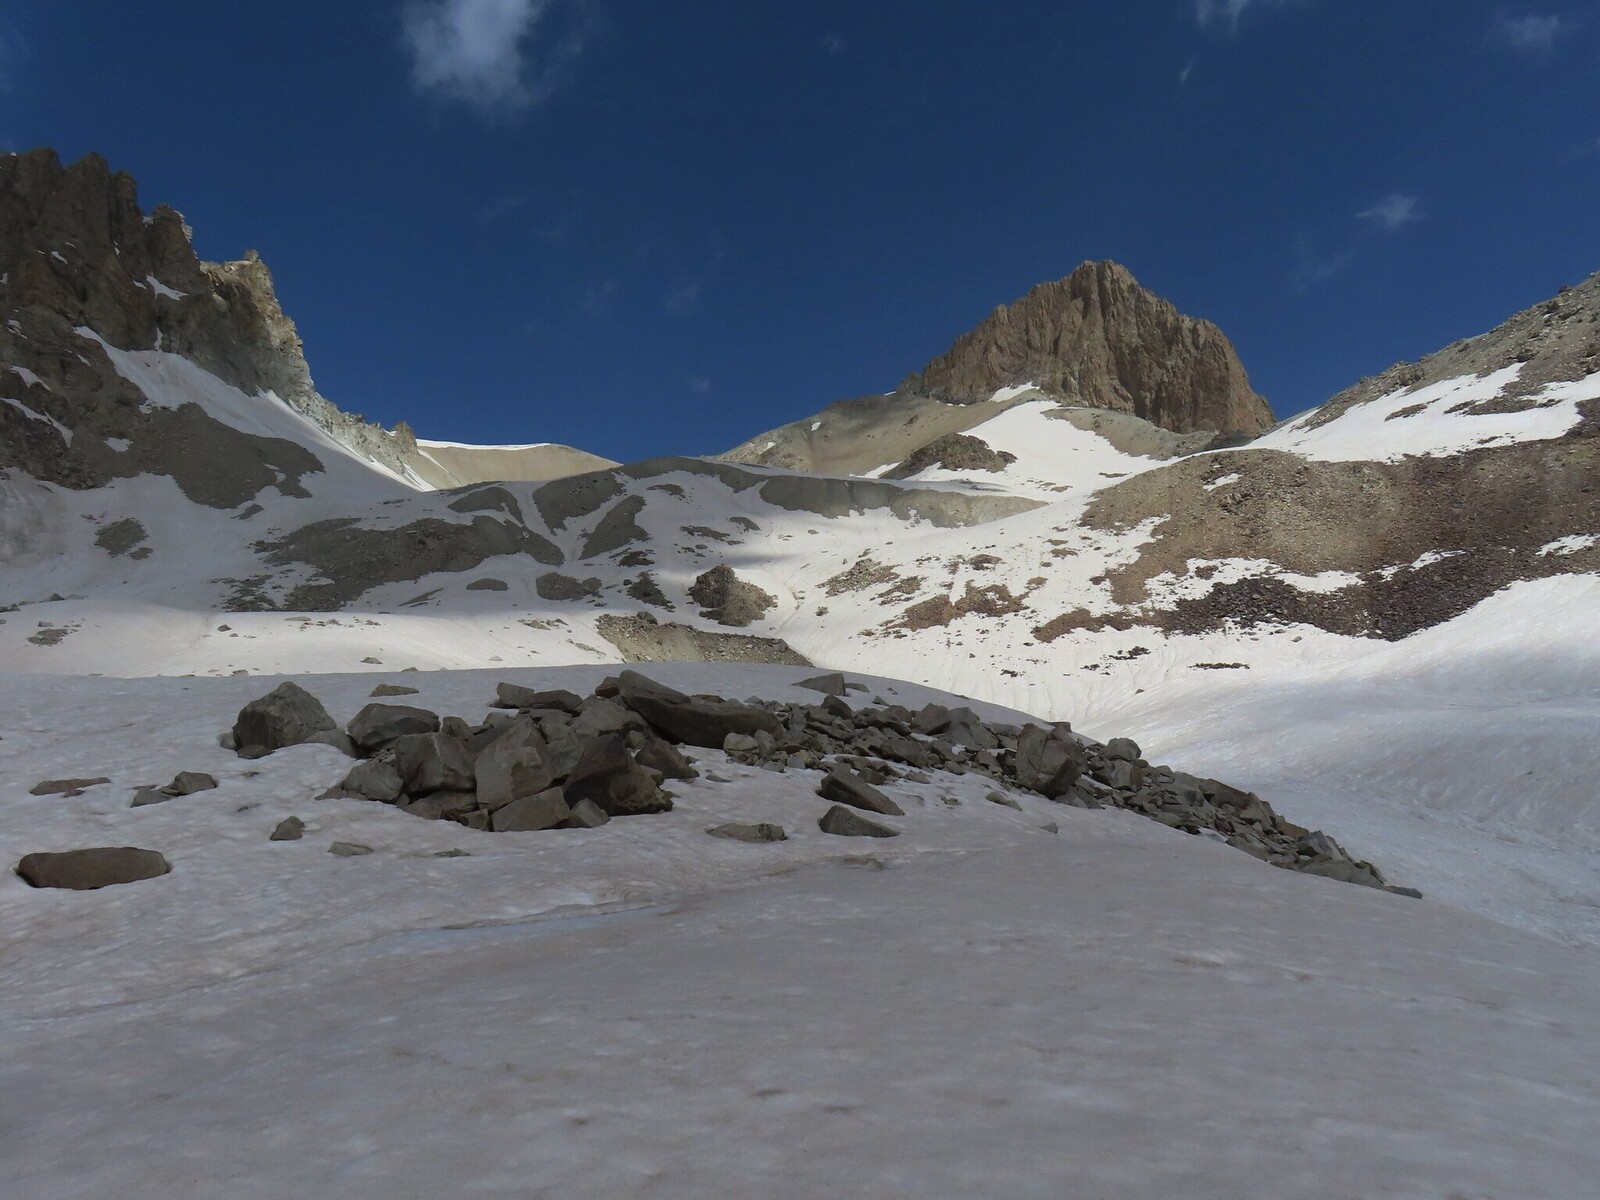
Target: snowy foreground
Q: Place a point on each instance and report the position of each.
(979, 1007)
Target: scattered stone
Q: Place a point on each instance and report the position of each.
(91, 868)
(373, 780)
(371, 661)
(657, 755)
(828, 685)
(586, 814)
(149, 795)
(1122, 750)
(842, 822)
(1002, 798)
(187, 783)
(59, 787)
(1050, 827)
(348, 849)
(451, 854)
(843, 786)
(511, 695)
(933, 719)
(286, 716)
(441, 806)
(432, 762)
(749, 833)
(290, 829)
(392, 689)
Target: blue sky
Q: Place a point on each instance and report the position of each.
(647, 227)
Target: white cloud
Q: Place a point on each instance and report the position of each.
(832, 44)
(1188, 70)
(1206, 12)
(1392, 212)
(494, 54)
(699, 384)
(1532, 33)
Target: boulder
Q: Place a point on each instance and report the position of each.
(656, 755)
(441, 806)
(511, 695)
(1002, 798)
(91, 868)
(338, 739)
(599, 715)
(609, 777)
(348, 849)
(586, 814)
(835, 707)
(60, 787)
(932, 719)
(286, 716)
(515, 765)
(1048, 761)
(702, 722)
(828, 685)
(376, 725)
(749, 833)
(1121, 750)
(843, 786)
(187, 783)
(375, 779)
(546, 810)
(391, 689)
(842, 822)
(966, 729)
(432, 762)
(290, 829)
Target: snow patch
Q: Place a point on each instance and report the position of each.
(161, 289)
(66, 434)
(1571, 544)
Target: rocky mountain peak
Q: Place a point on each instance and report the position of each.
(1099, 339)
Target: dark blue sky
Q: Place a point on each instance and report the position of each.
(648, 227)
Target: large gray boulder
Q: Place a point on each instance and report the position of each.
(511, 695)
(432, 762)
(376, 725)
(515, 765)
(286, 716)
(657, 755)
(701, 722)
(841, 822)
(1048, 761)
(375, 779)
(91, 868)
(547, 810)
(843, 786)
(608, 775)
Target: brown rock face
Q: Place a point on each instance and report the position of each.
(1098, 339)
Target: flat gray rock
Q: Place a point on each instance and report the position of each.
(59, 787)
(376, 725)
(91, 868)
(545, 811)
(844, 786)
(290, 829)
(736, 832)
(348, 849)
(843, 822)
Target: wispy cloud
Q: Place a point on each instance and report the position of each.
(1532, 34)
(496, 55)
(699, 384)
(1229, 12)
(833, 44)
(685, 299)
(1188, 70)
(1393, 212)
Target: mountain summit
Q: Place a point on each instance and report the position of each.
(1098, 339)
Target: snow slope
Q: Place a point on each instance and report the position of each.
(979, 1007)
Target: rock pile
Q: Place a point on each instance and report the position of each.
(554, 759)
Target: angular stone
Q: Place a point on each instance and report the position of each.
(546, 810)
(600, 716)
(842, 822)
(286, 716)
(844, 786)
(749, 833)
(1343, 870)
(1122, 750)
(338, 739)
(608, 776)
(392, 689)
(348, 849)
(966, 729)
(516, 764)
(376, 725)
(187, 783)
(932, 719)
(290, 829)
(91, 868)
(828, 685)
(835, 707)
(59, 787)
(441, 806)
(375, 779)
(586, 814)
(1002, 798)
(657, 755)
(1048, 761)
(432, 762)
(740, 743)
(149, 795)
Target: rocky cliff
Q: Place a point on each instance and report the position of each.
(1097, 338)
